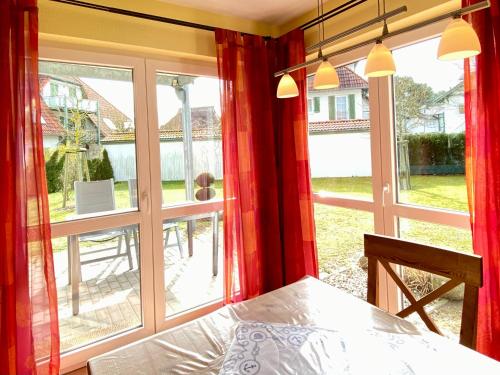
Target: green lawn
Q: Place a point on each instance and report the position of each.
(339, 231)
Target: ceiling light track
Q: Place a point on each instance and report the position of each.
(357, 28)
(454, 14)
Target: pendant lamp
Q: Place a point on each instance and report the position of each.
(287, 88)
(326, 76)
(380, 62)
(459, 41)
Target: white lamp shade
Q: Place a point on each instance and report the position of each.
(380, 62)
(459, 41)
(287, 88)
(326, 77)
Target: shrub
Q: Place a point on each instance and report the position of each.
(103, 169)
(53, 170)
(427, 149)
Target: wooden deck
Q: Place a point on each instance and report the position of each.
(110, 300)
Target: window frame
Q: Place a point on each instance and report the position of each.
(384, 204)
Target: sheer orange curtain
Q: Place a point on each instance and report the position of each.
(29, 335)
(482, 116)
(268, 214)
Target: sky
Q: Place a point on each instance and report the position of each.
(418, 61)
(203, 92)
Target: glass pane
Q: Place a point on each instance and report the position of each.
(430, 124)
(89, 138)
(190, 137)
(193, 262)
(446, 311)
(108, 299)
(339, 135)
(339, 236)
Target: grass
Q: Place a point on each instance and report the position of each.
(339, 231)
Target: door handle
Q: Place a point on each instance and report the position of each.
(385, 190)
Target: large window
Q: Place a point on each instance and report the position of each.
(393, 165)
(135, 198)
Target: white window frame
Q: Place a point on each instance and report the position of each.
(346, 97)
(384, 205)
(150, 214)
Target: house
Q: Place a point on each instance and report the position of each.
(69, 101)
(347, 102)
(444, 114)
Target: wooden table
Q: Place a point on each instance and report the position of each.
(200, 346)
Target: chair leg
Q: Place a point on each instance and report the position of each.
(215, 244)
(119, 247)
(167, 234)
(179, 243)
(126, 234)
(69, 259)
(136, 247)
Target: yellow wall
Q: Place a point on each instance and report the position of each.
(60, 23)
(87, 27)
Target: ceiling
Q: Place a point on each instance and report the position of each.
(269, 11)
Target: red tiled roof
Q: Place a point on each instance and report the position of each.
(338, 126)
(106, 110)
(201, 118)
(166, 135)
(50, 123)
(348, 80)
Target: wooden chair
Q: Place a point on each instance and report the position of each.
(458, 267)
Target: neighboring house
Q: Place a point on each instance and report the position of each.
(207, 147)
(66, 100)
(445, 114)
(349, 101)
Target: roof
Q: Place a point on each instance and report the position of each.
(50, 123)
(348, 80)
(339, 126)
(106, 110)
(201, 118)
(458, 89)
(166, 135)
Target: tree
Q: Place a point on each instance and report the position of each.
(104, 170)
(53, 169)
(411, 100)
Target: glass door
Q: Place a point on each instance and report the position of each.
(188, 229)
(93, 118)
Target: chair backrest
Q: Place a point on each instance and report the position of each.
(458, 267)
(94, 196)
(132, 191)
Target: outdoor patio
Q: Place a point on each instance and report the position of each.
(110, 295)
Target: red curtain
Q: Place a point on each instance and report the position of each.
(29, 336)
(482, 114)
(268, 214)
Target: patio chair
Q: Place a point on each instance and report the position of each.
(167, 227)
(92, 197)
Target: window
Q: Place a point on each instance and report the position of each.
(191, 171)
(317, 102)
(309, 105)
(430, 152)
(341, 108)
(121, 194)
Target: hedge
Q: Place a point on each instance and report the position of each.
(99, 169)
(436, 153)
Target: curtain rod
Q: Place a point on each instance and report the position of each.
(469, 9)
(331, 13)
(336, 11)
